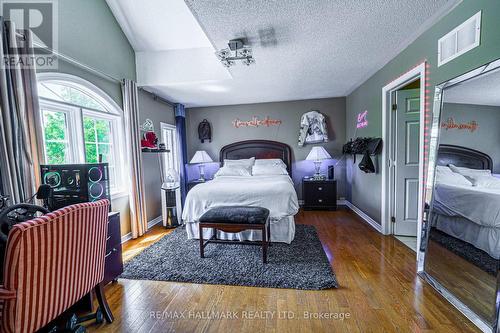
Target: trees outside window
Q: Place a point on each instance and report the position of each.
(81, 125)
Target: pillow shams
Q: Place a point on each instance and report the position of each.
(270, 161)
(472, 175)
(248, 162)
(234, 170)
(271, 169)
(444, 175)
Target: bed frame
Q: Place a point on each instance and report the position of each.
(260, 149)
(463, 157)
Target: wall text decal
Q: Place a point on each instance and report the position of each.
(471, 126)
(256, 122)
(362, 119)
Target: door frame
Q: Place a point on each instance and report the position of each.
(418, 72)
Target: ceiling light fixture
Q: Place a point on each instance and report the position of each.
(237, 51)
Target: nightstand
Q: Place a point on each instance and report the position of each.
(319, 194)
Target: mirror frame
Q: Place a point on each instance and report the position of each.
(429, 187)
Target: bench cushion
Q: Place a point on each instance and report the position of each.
(236, 214)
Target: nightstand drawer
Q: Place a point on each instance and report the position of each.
(319, 200)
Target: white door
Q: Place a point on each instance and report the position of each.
(407, 146)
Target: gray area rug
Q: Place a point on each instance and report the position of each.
(300, 265)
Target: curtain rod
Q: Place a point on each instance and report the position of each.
(71, 60)
(93, 70)
(158, 98)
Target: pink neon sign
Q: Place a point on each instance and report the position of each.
(362, 121)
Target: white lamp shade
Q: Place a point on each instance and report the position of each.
(201, 156)
(318, 154)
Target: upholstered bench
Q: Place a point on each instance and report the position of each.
(236, 219)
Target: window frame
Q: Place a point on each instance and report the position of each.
(74, 118)
(174, 151)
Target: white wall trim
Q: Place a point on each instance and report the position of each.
(362, 215)
(127, 237)
(152, 223)
(416, 72)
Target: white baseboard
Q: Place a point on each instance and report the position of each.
(365, 217)
(127, 237)
(154, 222)
(151, 224)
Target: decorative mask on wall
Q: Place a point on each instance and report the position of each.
(256, 122)
(450, 123)
(362, 119)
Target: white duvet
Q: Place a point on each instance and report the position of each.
(480, 205)
(275, 193)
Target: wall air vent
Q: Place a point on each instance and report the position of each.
(460, 40)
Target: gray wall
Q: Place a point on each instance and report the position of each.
(484, 139)
(89, 33)
(223, 132)
(364, 190)
(158, 112)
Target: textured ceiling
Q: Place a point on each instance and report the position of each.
(303, 48)
(483, 90)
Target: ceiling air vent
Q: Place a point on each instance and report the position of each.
(460, 40)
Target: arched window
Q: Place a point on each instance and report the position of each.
(81, 124)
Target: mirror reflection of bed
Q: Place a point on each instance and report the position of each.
(463, 246)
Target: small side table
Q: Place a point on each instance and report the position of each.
(319, 194)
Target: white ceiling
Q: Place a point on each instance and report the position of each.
(303, 48)
(483, 90)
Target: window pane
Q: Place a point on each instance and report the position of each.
(73, 96)
(105, 151)
(89, 129)
(55, 125)
(103, 129)
(56, 153)
(91, 153)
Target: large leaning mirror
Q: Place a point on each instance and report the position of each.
(461, 242)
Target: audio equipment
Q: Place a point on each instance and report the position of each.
(331, 172)
(76, 183)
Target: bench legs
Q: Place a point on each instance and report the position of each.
(264, 245)
(266, 236)
(202, 246)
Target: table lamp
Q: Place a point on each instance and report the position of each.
(317, 154)
(201, 157)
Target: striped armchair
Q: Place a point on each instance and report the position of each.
(50, 263)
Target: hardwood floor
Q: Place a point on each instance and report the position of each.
(379, 292)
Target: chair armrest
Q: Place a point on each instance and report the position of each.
(6, 294)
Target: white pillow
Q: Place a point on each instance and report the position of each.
(248, 162)
(487, 182)
(233, 170)
(270, 169)
(270, 161)
(444, 175)
(470, 174)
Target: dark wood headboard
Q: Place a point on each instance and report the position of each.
(463, 157)
(260, 149)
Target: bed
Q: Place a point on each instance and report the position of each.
(468, 213)
(275, 193)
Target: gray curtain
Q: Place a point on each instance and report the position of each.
(138, 219)
(20, 123)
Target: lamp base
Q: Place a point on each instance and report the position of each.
(317, 175)
(202, 172)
